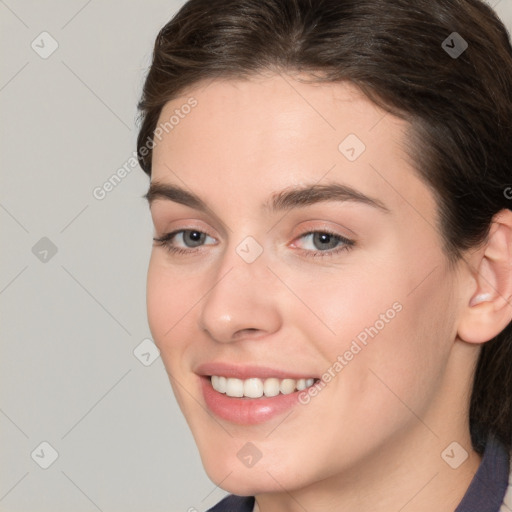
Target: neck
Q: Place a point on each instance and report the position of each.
(408, 474)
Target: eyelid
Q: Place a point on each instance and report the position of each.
(320, 225)
(182, 214)
(185, 225)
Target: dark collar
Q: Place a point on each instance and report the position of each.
(489, 485)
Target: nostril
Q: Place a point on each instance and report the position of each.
(244, 332)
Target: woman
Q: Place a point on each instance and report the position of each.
(330, 285)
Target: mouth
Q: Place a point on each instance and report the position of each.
(252, 400)
(251, 394)
(255, 387)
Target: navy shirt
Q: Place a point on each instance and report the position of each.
(484, 494)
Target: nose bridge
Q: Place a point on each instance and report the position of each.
(238, 298)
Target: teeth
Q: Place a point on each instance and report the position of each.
(287, 386)
(253, 388)
(219, 383)
(256, 388)
(271, 387)
(235, 387)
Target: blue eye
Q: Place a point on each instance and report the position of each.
(324, 243)
(322, 240)
(191, 238)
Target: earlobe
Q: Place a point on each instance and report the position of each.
(489, 308)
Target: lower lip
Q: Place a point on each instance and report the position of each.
(246, 411)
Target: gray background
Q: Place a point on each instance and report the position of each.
(72, 320)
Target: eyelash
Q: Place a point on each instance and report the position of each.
(165, 241)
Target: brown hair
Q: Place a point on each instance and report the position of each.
(459, 108)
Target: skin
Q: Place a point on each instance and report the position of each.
(372, 438)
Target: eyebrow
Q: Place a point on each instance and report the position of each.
(286, 199)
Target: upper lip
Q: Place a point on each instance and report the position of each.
(247, 371)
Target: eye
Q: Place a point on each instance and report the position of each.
(189, 238)
(317, 243)
(324, 243)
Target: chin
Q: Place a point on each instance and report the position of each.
(247, 484)
(264, 477)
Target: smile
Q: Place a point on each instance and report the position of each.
(255, 387)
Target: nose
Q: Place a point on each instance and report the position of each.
(240, 302)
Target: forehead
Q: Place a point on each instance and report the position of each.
(276, 112)
(263, 134)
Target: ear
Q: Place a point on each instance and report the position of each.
(489, 299)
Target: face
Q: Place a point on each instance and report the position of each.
(304, 247)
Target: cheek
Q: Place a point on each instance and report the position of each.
(338, 306)
(157, 300)
(168, 301)
(394, 343)
(401, 368)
